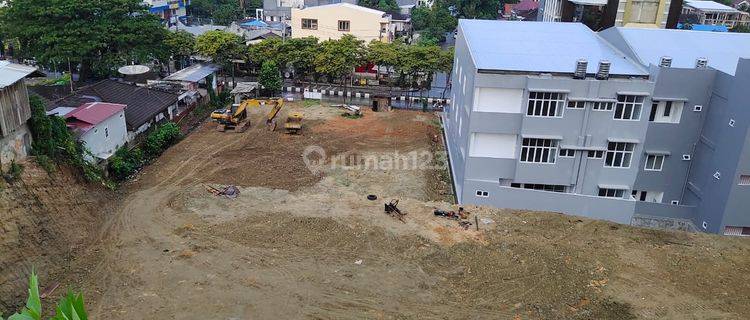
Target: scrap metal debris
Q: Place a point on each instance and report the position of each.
(459, 216)
(230, 192)
(391, 208)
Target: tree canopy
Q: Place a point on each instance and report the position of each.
(102, 34)
(223, 12)
(269, 77)
(338, 58)
(221, 46)
(433, 22)
(180, 43)
(382, 5)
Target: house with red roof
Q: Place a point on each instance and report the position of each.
(100, 126)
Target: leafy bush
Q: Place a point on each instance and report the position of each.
(125, 163)
(161, 138)
(14, 172)
(53, 141)
(45, 162)
(70, 307)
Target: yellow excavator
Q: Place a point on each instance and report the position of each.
(235, 116)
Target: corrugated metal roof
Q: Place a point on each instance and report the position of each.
(722, 49)
(541, 47)
(143, 103)
(705, 5)
(95, 112)
(194, 73)
(10, 73)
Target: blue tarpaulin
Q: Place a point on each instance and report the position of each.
(255, 24)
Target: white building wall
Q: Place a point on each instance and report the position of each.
(106, 137)
(364, 23)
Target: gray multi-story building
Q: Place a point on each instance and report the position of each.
(627, 125)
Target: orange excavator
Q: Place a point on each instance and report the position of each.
(236, 116)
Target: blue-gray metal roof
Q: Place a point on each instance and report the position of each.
(553, 47)
(11, 73)
(722, 49)
(194, 73)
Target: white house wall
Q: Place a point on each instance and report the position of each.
(106, 137)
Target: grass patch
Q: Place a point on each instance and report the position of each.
(310, 103)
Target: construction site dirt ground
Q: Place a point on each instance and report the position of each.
(307, 244)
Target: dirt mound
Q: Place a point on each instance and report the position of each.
(46, 222)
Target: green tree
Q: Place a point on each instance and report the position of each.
(384, 54)
(268, 49)
(337, 58)
(227, 13)
(221, 46)
(382, 5)
(180, 45)
(433, 22)
(202, 8)
(297, 53)
(269, 78)
(417, 65)
(100, 35)
(475, 9)
(223, 11)
(300, 55)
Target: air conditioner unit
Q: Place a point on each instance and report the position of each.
(675, 202)
(686, 157)
(697, 108)
(717, 175)
(731, 122)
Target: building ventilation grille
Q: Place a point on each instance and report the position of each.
(581, 66)
(603, 73)
(665, 62)
(701, 63)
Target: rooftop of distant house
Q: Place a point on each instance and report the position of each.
(11, 73)
(88, 115)
(143, 104)
(194, 73)
(706, 5)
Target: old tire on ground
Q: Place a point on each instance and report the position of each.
(372, 197)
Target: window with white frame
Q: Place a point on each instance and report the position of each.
(654, 162)
(619, 154)
(541, 187)
(666, 111)
(538, 150)
(596, 154)
(576, 104)
(310, 24)
(568, 153)
(602, 105)
(545, 104)
(344, 25)
(611, 193)
(629, 107)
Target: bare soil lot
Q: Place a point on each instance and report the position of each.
(297, 244)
